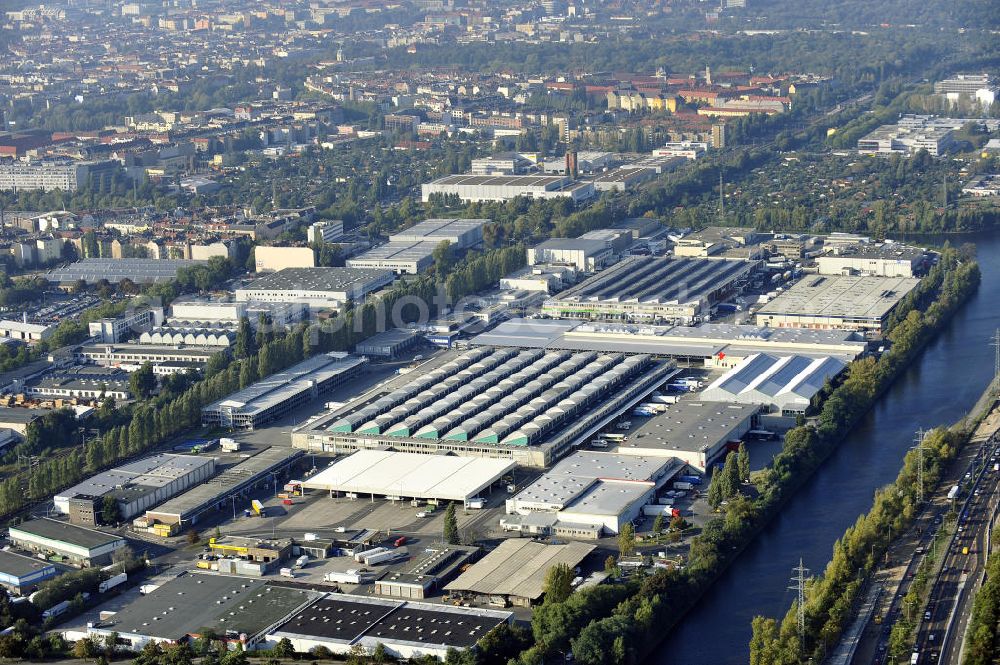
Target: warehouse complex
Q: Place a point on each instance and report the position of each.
(461, 233)
(74, 544)
(405, 629)
(237, 609)
(722, 344)
(135, 486)
(514, 572)
(697, 433)
(21, 574)
(399, 476)
(473, 188)
(589, 494)
(827, 301)
(140, 271)
(530, 406)
(228, 487)
(788, 384)
(318, 288)
(276, 395)
(652, 289)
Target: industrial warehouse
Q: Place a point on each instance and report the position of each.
(472, 188)
(401, 476)
(514, 573)
(139, 271)
(462, 233)
(789, 384)
(833, 301)
(697, 433)
(405, 629)
(530, 406)
(279, 393)
(74, 544)
(229, 486)
(20, 574)
(589, 494)
(319, 288)
(716, 344)
(652, 289)
(135, 486)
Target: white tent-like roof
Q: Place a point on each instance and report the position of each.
(788, 382)
(411, 475)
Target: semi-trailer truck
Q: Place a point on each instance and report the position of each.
(360, 556)
(953, 492)
(386, 557)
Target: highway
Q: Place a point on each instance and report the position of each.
(939, 636)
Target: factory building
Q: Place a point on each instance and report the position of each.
(402, 476)
(697, 433)
(787, 384)
(276, 395)
(114, 355)
(530, 406)
(514, 573)
(114, 330)
(193, 336)
(76, 545)
(135, 486)
(218, 314)
(237, 609)
(589, 494)
(139, 271)
(461, 233)
(474, 188)
(405, 629)
(20, 575)
(316, 287)
(652, 289)
(222, 491)
(881, 260)
(427, 572)
(586, 255)
(826, 301)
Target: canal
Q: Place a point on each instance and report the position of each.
(939, 389)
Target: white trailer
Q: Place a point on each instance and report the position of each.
(387, 556)
(360, 556)
(112, 582)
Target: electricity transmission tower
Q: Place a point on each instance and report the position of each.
(799, 586)
(918, 441)
(995, 343)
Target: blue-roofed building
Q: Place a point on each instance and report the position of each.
(788, 384)
(21, 574)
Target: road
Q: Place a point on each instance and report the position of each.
(909, 550)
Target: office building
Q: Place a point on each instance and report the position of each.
(76, 545)
(318, 288)
(964, 84)
(686, 149)
(827, 301)
(276, 395)
(474, 188)
(17, 176)
(130, 324)
(115, 355)
(652, 289)
(329, 230)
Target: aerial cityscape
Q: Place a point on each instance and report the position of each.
(500, 333)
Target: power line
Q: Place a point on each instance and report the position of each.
(995, 343)
(918, 441)
(799, 586)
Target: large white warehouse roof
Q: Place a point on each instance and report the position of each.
(788, 382)
(411, 475)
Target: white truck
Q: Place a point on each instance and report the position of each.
(682, 485)
(112, 582)
(56, 610)
(386, 557)
(349, 577)
(286, 572)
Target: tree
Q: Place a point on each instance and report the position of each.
(110, 513)
(283, 649)
(558, 583)
(442, 256)
(84, 648)
(193, 537)
(743, 462)
(142, 382)
(610, 563)
(658, 524)
(451, 534)
(244, 346)
(626, 539)
(715, 493)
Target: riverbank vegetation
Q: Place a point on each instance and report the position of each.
(983, 633)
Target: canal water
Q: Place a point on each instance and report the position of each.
(939, 389)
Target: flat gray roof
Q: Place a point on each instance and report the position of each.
(440, 228)
(140, 271)
(155, 471)
(193, 601)
(17, 565)
(65, 533)
(316, 279)
(840, 296)
(227, 483)
(689, 426)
